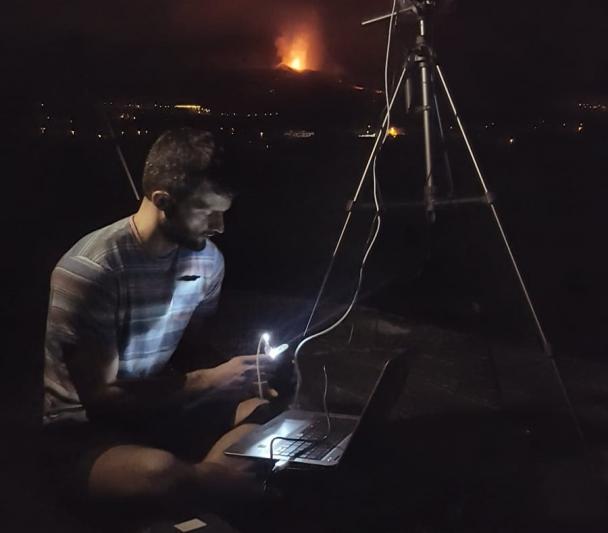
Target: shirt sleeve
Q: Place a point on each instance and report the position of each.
(83, 303)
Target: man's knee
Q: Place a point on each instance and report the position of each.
(164, 473)
(246, 407)
(126, 471)
(217, 455)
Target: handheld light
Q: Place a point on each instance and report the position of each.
(273, 353)
(270, 351)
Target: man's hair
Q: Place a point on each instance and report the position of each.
(180, 160)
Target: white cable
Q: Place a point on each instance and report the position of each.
(380, 139)
(325, 408)
(386, 62)
(377, 220)
(257, 367)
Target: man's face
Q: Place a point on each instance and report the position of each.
(196, 218)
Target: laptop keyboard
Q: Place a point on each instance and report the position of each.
(340, 428)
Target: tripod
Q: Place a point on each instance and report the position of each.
(422, 58)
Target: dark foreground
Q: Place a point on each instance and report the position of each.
(481, 440)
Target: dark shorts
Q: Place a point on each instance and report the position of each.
(70, 448)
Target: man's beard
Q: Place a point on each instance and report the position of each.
(178, 235)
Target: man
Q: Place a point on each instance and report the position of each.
(121, 299)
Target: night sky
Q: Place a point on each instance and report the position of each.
(515, 50)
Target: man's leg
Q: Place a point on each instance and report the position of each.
(141, 472)
(246, 407)
(138, 473)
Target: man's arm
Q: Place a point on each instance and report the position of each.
(94, 372)
(82, 322)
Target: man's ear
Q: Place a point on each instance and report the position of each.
(162, 200)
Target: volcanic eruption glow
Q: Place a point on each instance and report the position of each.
(299, 47)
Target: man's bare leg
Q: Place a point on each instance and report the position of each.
(246, 407)
(139, 472)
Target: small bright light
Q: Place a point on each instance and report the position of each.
(194, 108)
(273, 353)
(511, 140)
(266, 337)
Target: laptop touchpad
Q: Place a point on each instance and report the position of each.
(287, 427)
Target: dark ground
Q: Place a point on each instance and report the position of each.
(482, 439)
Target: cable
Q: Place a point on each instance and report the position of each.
(325, 409)
(386, 63)
(379, 140)
(377, 222)
(257, 367)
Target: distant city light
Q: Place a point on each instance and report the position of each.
(299, 134)
(512, 140)
(194, 108)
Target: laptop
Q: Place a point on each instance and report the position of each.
(309, 438)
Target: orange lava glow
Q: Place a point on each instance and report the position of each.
(299, 48)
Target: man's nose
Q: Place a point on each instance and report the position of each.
(216, 223)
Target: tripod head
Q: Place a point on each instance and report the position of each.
(416, 7)
(419, 9)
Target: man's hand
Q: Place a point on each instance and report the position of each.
(238, 377)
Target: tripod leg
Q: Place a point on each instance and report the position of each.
(444, 149)
(539, 328)
(429, 186)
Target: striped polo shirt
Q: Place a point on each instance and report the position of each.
(107, 290)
